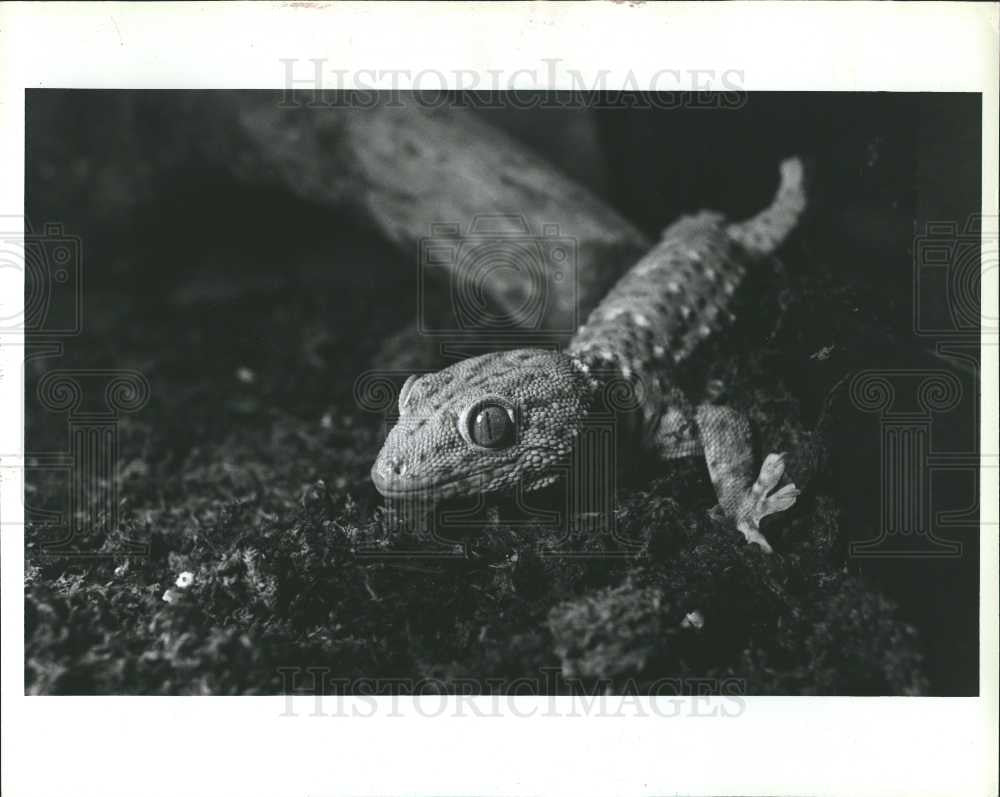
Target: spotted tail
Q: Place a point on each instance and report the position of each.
(762, 234)
(681, 292)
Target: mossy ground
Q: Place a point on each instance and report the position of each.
(249, 469)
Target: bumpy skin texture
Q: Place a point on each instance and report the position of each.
(652, 319)
(680, 294)
(427, 454)
(659, 312)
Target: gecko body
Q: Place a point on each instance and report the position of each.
(488, 423)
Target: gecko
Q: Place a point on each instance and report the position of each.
(489, 423)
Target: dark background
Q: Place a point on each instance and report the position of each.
(190, 275)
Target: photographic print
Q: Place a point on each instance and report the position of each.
(362, 391)
(412, 392)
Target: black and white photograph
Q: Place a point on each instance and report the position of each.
(445, 392)
(359, 391)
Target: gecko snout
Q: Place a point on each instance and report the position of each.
(388, 472)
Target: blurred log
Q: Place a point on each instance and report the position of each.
(568, 137)
(420, 175)
(440, 180)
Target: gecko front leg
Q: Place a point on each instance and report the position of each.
(744, 497)
(722, 435)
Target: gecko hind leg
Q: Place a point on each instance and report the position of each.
(726, 441)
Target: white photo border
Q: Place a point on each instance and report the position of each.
(117, 745)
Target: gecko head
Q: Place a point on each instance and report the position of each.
(484, 425)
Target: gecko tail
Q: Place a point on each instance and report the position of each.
(762, 234)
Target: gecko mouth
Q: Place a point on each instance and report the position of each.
(391, 488)
(489, 479)
(447, 488)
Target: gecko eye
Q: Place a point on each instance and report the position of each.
(489, 423)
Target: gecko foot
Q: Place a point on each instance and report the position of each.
(761, 502)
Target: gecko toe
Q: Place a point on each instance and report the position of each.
(780, 500)
(761, 502)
